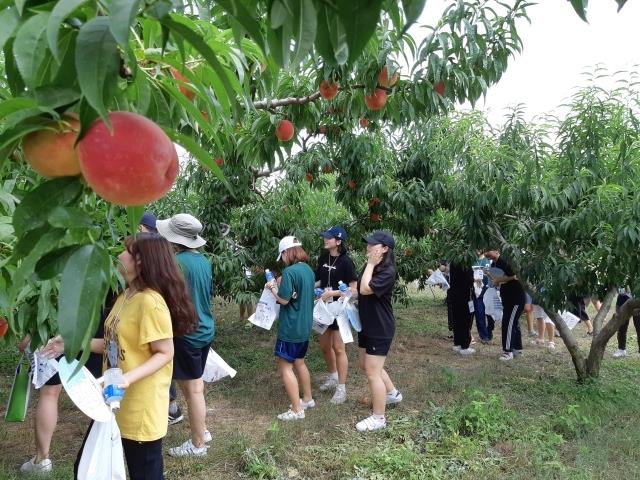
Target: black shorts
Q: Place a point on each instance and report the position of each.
(374, 346)
(188, 361)
(333, 326)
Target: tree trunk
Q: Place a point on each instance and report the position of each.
(601, 339)
(577, 357)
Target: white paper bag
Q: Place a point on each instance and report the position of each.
(322, 314)
(102, 457)
(216, 368)
(267, 311)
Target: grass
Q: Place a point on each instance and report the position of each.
(462, 418)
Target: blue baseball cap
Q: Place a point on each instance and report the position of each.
(336, 232)
(380, 237)
(149, 220)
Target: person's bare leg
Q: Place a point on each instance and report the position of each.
(290, 383)
(304, 379)
(193, 391)
(541, 327)
(551, 332)
(46, 419)
(589, 326)
(326, 346)
(341, 359)
(374, 366)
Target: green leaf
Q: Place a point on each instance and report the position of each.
(134, 214)
(122, 14)
(34, 210)
(360, 18)
(12, 105)
(52, 264)
(60, 12)
(83, 287)
(30, 49)
(278, 14)
(14, 134)
(20, 6)
(69, 217)
(305, 27)
(97, 62)
(9, 20)
(201, 155)
(412, 10)
(55, 97)
(580, 6)
(238, 11)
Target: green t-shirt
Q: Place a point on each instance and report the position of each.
(296, 317)
(197, 273)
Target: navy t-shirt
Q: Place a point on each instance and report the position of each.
(376, 311)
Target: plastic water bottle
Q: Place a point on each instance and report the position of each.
(318, 292)
(344, 289)
(112, 393)
(268, 274)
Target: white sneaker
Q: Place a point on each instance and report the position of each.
(304, 405)
(329, 384)
(339, 397)
(207, 436)
(551, 346)
(619, 353)
(506, 356)
(370, 424)
(517, 353)
(457, 348)
(41, 468)
(188, 449)
(393, 399)
(467, 351)
(290, 415)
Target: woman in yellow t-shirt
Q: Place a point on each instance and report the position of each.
(138, 339)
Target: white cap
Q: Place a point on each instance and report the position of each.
(286, 243)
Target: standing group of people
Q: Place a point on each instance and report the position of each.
(294, 290)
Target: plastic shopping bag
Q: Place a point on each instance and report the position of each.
(318, 327)
(570, 319)
(345, 328)
(267, 311)
(492, 304)
(437, 278)
(353, 316)
(216, 368)
(43, 369)
(322, 314)
(20, 392)
(102, 457)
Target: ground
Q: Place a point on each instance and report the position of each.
(462, 418)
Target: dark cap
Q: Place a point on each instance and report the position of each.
(335, 232)
(380, 237)
(149, 220)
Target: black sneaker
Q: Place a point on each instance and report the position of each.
(175, 417)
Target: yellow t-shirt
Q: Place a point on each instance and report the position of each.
(131, 325)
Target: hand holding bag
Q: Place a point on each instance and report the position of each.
(18, 403)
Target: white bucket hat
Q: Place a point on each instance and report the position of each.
(286, 243)
(182, 229)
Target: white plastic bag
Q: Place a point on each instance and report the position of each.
(437, 278)
(267, 311)
(353, 316)
(318, 327)
(345, 328)
(43, 369)
(492, 304)
(322, 314)
(570, 319)
(102, 457)
(216, 368)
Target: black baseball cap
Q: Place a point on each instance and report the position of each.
(149, 220)
(335, 232)
(380, 237)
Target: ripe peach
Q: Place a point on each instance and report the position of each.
(285, 131)
(219, 161)
(51, 152)
(377, 100)
(364, 123)
(322, 129)
(439, 88)
(182, 80)
(328, 90)
(375, 217)
(352, 184)
(135, 164)
(309, 177)
(4, 327)
(383, 78)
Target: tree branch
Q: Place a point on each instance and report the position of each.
(604, 310)
(283, 102)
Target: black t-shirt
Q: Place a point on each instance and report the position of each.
(376, 312)
(330, 270)
(461, 283)
(512, 291)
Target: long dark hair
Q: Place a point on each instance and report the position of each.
(158, 270)
(388, 262)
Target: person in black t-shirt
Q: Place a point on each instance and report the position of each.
(375, 288)
(459, 295)
(513, 300)
(335, 265)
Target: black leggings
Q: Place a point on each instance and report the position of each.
(462, 319)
